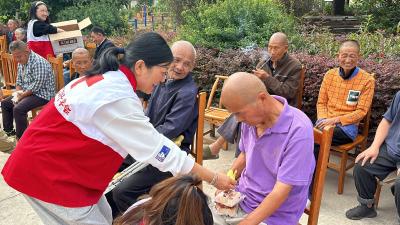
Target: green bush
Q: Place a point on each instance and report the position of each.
(235, 23)
(375, 45)
(382, 14)
(104, 13)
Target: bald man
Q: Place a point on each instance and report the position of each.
(276, 160)
(81, 61)
(173, 111)
(280, 73)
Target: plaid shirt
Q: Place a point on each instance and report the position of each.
(37, 76)
(348, 99)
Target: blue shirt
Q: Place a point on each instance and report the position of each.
(392, 140)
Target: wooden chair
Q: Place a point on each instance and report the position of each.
(197, 147)
(343, 152)
(324, 139)
(389, 180)
(9, 71)
(71, 69)
(301, 88)
(57, 65)
(215, 116)
(91, 47)
(3, 43)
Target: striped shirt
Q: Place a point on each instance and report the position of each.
(348, 99)
(37, 76)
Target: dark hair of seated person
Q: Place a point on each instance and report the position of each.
(174, 201)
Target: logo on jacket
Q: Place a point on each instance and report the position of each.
(163, 153)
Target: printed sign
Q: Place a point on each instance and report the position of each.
(163, 153)
(352, 97)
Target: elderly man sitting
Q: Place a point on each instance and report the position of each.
(276, 160)
(36, 86)
(172, 110)
(280, 73)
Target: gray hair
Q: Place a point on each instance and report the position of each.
(17, 45)
(21, 30)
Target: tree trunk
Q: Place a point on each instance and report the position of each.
(338, 7)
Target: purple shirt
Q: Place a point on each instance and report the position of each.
(283, 153)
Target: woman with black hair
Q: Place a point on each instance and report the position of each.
(39, 29)
(70, 152)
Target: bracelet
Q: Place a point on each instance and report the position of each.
(214, 179)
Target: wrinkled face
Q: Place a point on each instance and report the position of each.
(348, 57)
(19, 36)
(42, 13)
(82, 63)
(183, 63)
(97, 38)
(21, 56)
(12, 26)
(276, 49)
(151, 77)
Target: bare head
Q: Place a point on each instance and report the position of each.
(278, 45)
(349, 54)
(81, 60)
(184, 60)
(245, 95)
(20, 34)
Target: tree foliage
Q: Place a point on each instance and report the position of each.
(382, 14)
(235, 23)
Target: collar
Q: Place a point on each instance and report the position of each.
(283, 60)
(130, 75)
(102, 42)
(352, 73)
(285, 119)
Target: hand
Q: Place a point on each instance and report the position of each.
(224, 182)
(20, 96)
(60, 30)
(326, 122)
(260, 73)
(370, 153)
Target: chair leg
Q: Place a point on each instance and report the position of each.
(377, 193)
(342, 171)
(225, 146)
(212, 133)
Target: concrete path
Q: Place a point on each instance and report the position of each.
(14, 210)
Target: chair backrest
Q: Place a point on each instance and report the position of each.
(9, 69)
(214, 89)
(324, 139)
(300, 91)
(91, 47)
(197, 147)
(364, 124)
(3, 44)
(57, 65)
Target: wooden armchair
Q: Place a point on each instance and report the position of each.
(197, 147)
(324, 139)
(3, 43)
(215, 116)
(9, 71)
(301, 88)
(343, 151)
(57, 65)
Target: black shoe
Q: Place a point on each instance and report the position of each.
(10, 133)
(361, 211)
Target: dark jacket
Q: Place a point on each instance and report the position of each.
(285, 77)
(103, 46)
(173, 109)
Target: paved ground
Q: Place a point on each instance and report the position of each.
(15, 211)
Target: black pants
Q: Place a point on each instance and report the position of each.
(365, 176)
(128, 192)
(19, 112)
(339, 138)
